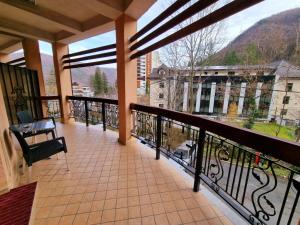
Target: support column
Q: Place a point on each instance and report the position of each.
(241, 98)
(258, 94)
(198, 98)
(185, 96)
(126, 74)
(33, 60)
(63, 78)
(9, 175)
(226, 97)
(4, 57)
(212, 97)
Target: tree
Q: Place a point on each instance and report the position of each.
(252, 115)
(50, 86)
(253, 55)
(105, 83)
(97, 82)
(232, 110)
(231, 58)
(195, 48)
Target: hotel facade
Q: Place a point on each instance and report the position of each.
(223, 90)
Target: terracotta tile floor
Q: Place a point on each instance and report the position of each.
(113, 184)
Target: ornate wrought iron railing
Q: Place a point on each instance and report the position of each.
(51, 104)
(256, 174)
(95, 111)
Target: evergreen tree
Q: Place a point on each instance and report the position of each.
(253, 55)
(97, 82)
(105, 83)
(231, 58)
(253, 114)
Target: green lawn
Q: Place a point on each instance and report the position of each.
(287, 133)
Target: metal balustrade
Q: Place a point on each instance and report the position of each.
(95, 111)
(262, 188)
(256, 174)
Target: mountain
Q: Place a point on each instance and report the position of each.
(273, 38)
(79, 75)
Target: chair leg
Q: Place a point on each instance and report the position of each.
(67, 162)
(29, 175)
(57, 156)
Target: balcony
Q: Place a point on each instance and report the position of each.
(109, 182)
(131, 163)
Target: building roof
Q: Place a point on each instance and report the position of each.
(281, 68)
(286, 70)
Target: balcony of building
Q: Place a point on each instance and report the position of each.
(125, 162)
(109, 183)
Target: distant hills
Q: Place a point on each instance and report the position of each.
(80, 75)
(275, 38)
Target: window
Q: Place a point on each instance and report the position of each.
(161, 84)
(161, 95)
(216, 73)
(289, 87)
(231, 73)
(160, 105)
(283, 112)
(286, 100)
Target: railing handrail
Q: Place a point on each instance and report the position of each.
(93, 99)
(51, 97)
(281, 149)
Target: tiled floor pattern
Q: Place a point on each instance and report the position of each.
(113, 184)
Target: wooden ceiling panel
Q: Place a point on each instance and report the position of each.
(69, 8)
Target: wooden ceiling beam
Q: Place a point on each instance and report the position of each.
(6, 47)
(62, 21)
(24, 30)
(101, 8)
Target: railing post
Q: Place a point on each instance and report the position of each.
(86, 112)
(158, 136)
(201, 141)
(103, 116)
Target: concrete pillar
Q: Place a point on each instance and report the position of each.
(126, 74)
(9, 175)
(258, 93)
(33, 60)
(185, 96)
(226, 97)
(241, 98)
(198, 97)
(63, 78)
(212, 97)
(4, 57)
(272, 107)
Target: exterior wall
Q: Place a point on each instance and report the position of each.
(293, 107)
(155, 90)
(215, 90)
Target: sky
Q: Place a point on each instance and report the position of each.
(235, 24)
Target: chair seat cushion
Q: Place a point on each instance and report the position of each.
(44, 150)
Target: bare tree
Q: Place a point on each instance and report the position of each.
(194, 49)
(199, 46)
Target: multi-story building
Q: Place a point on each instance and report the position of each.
(144, 67)
(216, 89)
(79, 90)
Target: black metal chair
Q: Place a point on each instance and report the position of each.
(26, 117)
(39, 151)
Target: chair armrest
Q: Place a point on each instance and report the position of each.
(49, 141)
